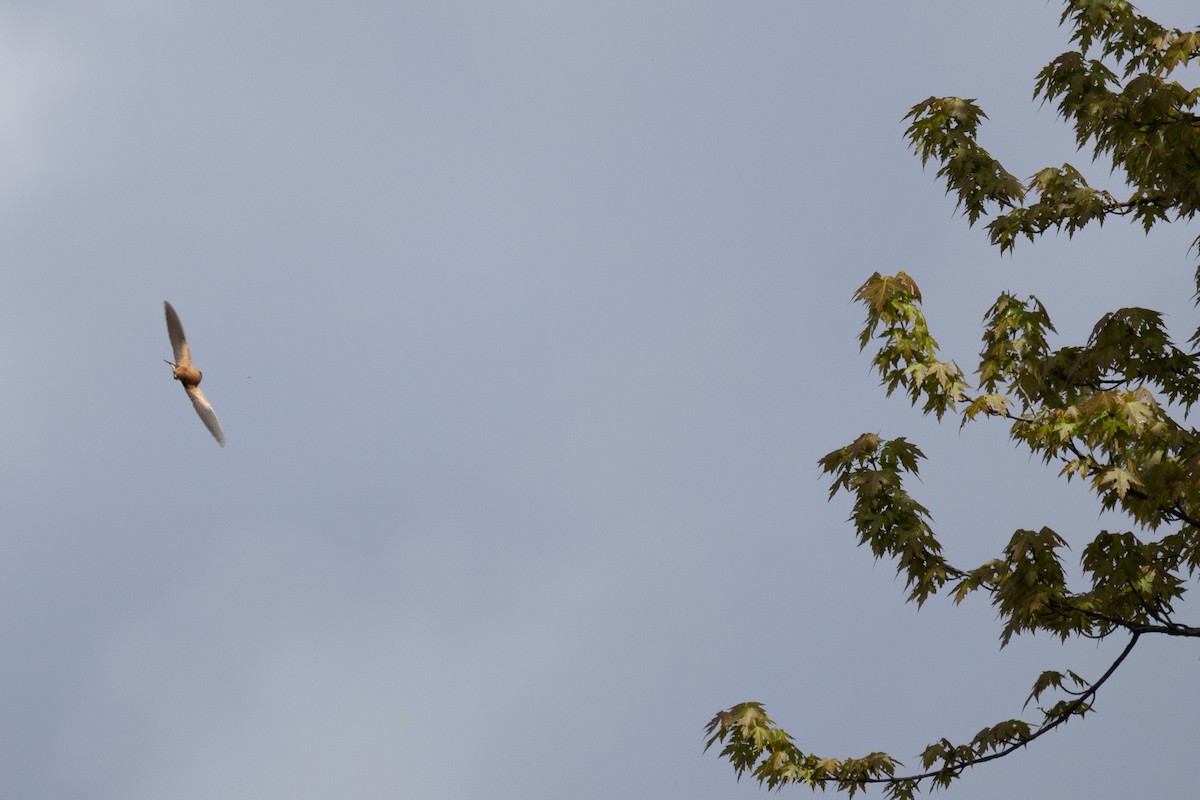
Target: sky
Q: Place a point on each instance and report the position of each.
(527, 324)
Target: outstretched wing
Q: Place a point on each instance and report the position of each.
(205, 410)
(179, 345)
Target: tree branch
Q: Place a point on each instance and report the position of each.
(1166, 628)
(1062, 716)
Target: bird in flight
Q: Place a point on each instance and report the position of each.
(189, 376)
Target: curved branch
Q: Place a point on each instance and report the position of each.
(1138, 628)
(752, 739)
(1058, 719)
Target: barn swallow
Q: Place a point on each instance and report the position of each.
(189, 376)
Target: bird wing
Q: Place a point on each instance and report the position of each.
(183, 356)
(205, 410)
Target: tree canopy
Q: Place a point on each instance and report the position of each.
(1111, 411)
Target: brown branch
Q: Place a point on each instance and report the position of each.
(1166, 628)
(1058, 719)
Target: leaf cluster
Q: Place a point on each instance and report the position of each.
(754, 743)
(907, 357)
(1111, 411)
(1117, 93)
(1091, 408)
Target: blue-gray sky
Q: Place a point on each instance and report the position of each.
(526, 323)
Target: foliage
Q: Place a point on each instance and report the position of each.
(1111, 412)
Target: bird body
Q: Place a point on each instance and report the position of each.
(183, 371)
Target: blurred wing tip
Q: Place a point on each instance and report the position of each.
(207, 415)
